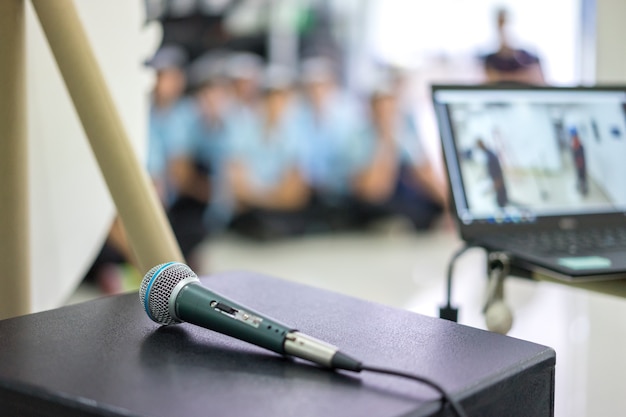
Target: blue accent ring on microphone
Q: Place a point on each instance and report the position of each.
(154, 277)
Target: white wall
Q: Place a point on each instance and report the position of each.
(605, 359)
(70, 206)
(610, 35)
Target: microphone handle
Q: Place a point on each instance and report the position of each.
(198, 305)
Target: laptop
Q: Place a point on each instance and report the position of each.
(540, 174)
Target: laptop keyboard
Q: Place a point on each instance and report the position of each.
(571, 242)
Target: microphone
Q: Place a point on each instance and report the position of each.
(172, 293)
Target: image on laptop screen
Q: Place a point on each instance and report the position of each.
(514, 155)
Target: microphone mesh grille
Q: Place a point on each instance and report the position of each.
(156, 290)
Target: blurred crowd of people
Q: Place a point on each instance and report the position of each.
(269, 151)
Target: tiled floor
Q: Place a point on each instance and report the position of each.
(407, 270)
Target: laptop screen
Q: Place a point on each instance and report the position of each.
(518, 154)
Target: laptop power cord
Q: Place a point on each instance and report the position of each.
(448, 311)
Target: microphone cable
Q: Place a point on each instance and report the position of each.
(444, 394)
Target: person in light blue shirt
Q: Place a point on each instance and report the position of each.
(172, 157)
(244, 71)
(208, 142)
(169, 133)
(171, 115)
(395, 176)
(328, 119)
(268, 190)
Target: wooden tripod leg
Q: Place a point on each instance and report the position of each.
(14, 226)
(149, 233)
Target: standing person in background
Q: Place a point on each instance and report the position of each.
(494, 170)
(511, 64)
(268, 190)
(580, 162)
(395, 176)
(328, 119)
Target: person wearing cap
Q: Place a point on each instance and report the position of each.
(244, 71)
(262, 167)
(328, 119)
(395, 177)
(195, 172)
(209, 144)
(171, 115)
(211, 101)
